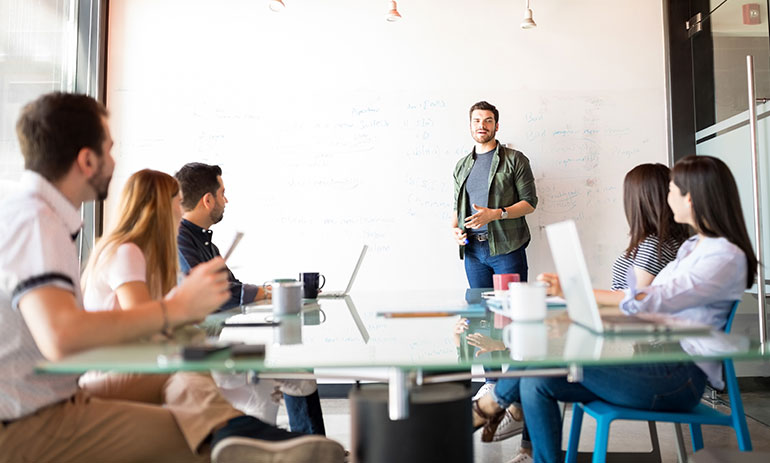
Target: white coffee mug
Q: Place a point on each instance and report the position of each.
(526, 341)
(526, 301)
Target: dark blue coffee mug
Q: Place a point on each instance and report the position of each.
(311, 283)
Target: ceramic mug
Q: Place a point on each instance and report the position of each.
(501, 282)
(311, 283)
(526, 301)
(287, 298)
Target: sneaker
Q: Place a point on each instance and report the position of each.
(485, 389)
(508, 427)
(245, 438)
(522, 458)
(303, 449)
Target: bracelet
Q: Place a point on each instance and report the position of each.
(165, 329)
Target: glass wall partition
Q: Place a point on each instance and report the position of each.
(731, 30)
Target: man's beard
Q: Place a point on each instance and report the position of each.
(216, 216)
(487, 138)
(100, 184)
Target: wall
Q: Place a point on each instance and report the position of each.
(335, 128)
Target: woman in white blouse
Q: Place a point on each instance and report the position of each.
(137, 261)
(711, 270)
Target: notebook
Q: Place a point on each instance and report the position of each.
(581, 303)
(352, 278)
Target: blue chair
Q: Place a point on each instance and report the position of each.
(605, 413)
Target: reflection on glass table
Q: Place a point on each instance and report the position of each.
(352, 332)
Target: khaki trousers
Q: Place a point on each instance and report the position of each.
(123, 418)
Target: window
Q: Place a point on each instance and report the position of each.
(38, 49)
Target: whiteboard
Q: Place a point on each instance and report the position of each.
(335, 128)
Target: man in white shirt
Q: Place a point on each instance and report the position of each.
(66, 143)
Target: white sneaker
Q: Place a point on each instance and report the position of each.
(508, 427)
(305, 449)
(522, 458)
(485, 389)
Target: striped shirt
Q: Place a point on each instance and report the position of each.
(646, 259)
(40, 251)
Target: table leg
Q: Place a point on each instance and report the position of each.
(398, 394)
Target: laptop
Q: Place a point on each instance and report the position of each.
(326, 294)
(581, 303)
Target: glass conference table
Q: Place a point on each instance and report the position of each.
(410, 337)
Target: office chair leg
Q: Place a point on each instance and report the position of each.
(681, 451)
(574, 433)
(697, 437)
(736, 409)
(602, 440)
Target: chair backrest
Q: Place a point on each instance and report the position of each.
(731, 316)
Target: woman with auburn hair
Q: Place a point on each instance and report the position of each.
(711, 271)
(137, 260)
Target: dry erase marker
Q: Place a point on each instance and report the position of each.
(416, 314)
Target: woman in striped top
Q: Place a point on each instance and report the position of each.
(711, 270)
(655, 236)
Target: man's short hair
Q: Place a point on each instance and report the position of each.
(55, 127)
(487, 107)
(196, 179)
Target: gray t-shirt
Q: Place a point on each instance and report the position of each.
(477, 185)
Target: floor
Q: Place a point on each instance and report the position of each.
(625, 436)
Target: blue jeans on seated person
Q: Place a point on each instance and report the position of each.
(659, 387)
(305, 415)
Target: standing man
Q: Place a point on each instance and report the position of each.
(203, 200)
(66, 143)
(494, 190)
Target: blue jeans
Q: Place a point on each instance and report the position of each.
(305, 413)
(660, 387)
(480, 266)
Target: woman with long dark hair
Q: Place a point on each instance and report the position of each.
(711, 270)
(654, 235)
(654, 240)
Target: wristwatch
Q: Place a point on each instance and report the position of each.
(504, 215)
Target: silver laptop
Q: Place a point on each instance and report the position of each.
(581, 303)
(352, 278)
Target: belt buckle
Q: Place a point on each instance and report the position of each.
(482, 236)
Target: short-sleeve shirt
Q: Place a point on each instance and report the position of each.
(113, 270)
(646, 259)
(41, 226)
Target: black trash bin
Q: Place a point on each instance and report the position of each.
(438, 429)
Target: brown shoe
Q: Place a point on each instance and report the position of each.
(490, 421)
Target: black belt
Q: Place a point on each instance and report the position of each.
(479, 236)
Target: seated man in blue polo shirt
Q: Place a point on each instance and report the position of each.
(203, 199)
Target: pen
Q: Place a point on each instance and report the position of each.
(250, 325)
(416, 314)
